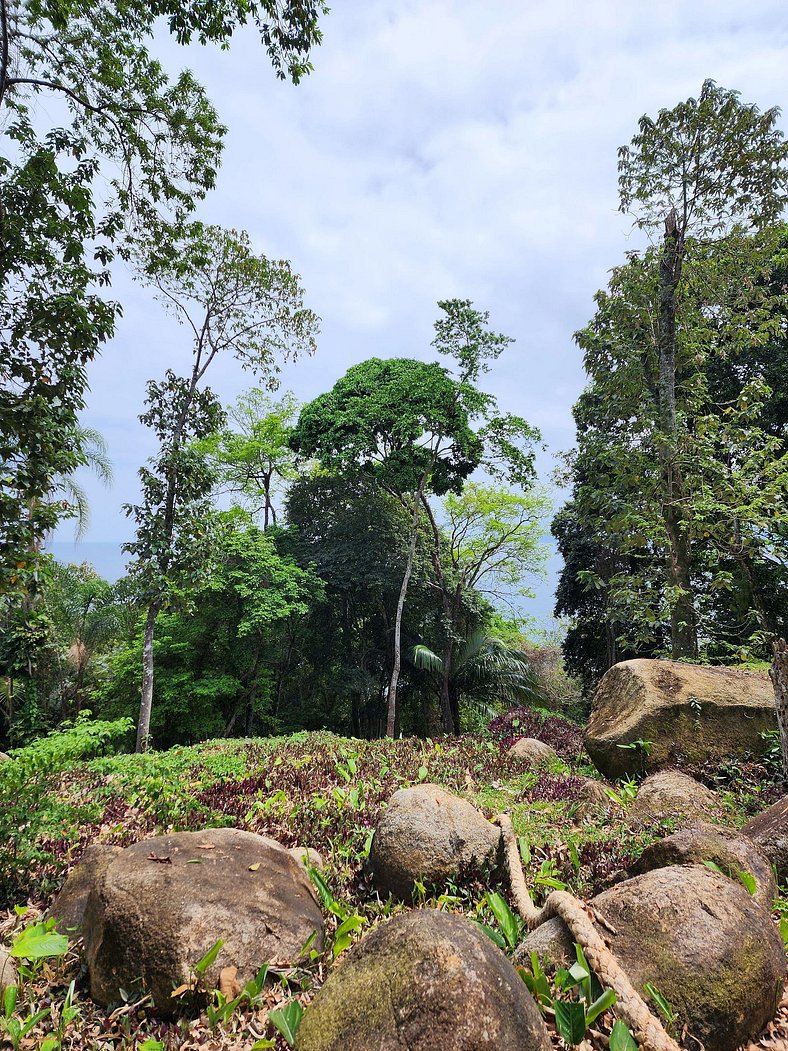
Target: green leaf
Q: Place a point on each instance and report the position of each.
(748, 880)
(714, 867)
(507, 921)
(665, 1006)
(621, 1039)
(495, 936)
(784, 930)
(202, 966)
(600, 1005)
(37, 942)
(570, 1020)
(287, 1019)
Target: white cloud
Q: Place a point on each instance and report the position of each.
(441, 148)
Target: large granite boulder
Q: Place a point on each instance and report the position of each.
(769, 831)
(423, 981)
(531, 751)
(671, 795)
(727, 848)
(697, 936)
(687, 712)
(68, 908)
(160, 905)
(427, 834)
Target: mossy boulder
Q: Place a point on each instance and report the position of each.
(769, 832)
(727, 848)
(671, 795)
(424, 981)
(531, 751)
(68, 908)
(697, 936)
(685, 713)
(160, 905)
(427, 834)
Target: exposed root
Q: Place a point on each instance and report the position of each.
(645, 1026)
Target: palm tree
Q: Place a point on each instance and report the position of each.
(484, 669)
(93, 447)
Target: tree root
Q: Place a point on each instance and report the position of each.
(645, 1026)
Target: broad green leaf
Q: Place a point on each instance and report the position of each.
(509, 923)
(748, 880)
(37, 942)
(287, 1019)
(570, 1020)
(600, 1005)
(621, 1039)
(495, 936)
(714, 867)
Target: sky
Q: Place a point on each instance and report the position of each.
(440, 148)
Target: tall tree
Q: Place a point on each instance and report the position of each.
(132, 149)
(490, 544)
(710, 168)
(253, 457)
(231, 301)
(408, 424)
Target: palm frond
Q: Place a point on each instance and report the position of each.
(423, 657)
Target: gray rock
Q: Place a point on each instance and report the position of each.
(700, 938)
(689, 713)
(427, 834)
(4, 758)
(726, 847)
(307, 856)
(68, 908)
(424, 981)
(8, 974)
(531, 751)
(769, 831)
(676, 796)
(163, 903)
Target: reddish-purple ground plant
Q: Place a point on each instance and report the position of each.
(566, 737)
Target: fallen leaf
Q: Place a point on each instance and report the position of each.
(162, 859)
(207, 846)
(229, 987)
(255, 867)
(180, 990)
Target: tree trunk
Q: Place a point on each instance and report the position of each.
(683, 623)
(779, 677)
(391, 719)
(146, 703)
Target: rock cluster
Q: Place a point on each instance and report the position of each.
(695, 935)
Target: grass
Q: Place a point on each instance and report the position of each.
(314, 790)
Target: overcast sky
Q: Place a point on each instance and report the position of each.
(441, 148)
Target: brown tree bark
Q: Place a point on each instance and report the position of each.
(779, 677)
(683, 622)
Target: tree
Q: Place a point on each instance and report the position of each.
(232, 302)
(407, 424)
(132, 151)
(711, 168)
(255, 462)
(483, 668)
(490, 543)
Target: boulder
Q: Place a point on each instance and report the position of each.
(423, 981)
(162, 904)
(4, 758)
(7, 970)
(699, 937)
(726, 847)
(427, 834)
(531, 751)
(68, 908)
(769, 832)
(687, 712)
(307, 856)
(677, 797)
